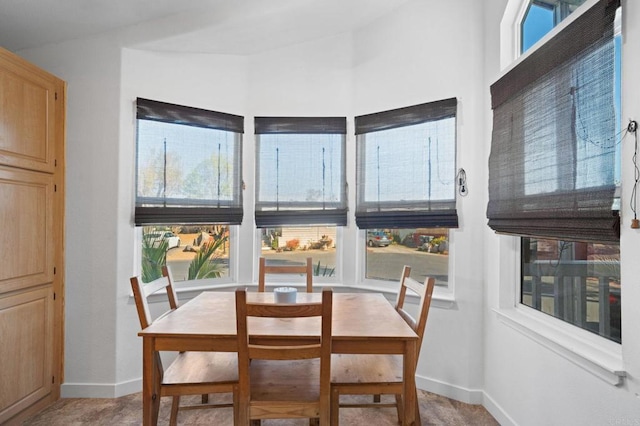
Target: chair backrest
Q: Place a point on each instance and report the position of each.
(265, 269)
(424, 292)
(284, 350)
(317, 349)
(141, 293)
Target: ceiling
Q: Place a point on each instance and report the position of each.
(209, 26)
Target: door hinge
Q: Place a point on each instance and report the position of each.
(55, 188)
(53, 379)
(56, 95)
(54, 295)
(55, 162)
(54, 270)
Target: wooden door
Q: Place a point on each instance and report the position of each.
(31, 237)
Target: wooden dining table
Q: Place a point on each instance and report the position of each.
(363, 323)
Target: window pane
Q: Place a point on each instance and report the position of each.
(186, 165)
(292, 245)
(410, 164)
(537, 22)
(299, 170)
(542, 16)
(191, 252)
(425, 250)
(577, 282)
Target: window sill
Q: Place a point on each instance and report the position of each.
(442, 298)
(595, 354)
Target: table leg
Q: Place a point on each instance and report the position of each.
(409, 392)
(243, 403)
(150, 389)
(418, 418)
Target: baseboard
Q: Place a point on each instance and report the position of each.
(497, 412)
(100, 390)
(468, 396)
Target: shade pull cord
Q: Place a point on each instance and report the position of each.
(633, 128)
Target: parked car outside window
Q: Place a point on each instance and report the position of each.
(377, 239)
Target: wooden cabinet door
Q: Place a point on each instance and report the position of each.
(31, 240)
(27, 218)
(26, 330)
(27, 116)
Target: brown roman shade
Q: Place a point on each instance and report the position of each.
(188, 166)
(406, 167)
(300, 171)
(553, 149)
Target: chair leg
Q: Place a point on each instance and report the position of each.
(335, 406)
(175, 404)
(205, 398)
(236, 407)
(399, 408)
(376, 398)
(418, 418)
(400, 412)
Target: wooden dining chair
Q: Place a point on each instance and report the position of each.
(284, 379)
(191, 373)
(265, 269)
(380, 374)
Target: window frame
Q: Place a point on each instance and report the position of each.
(301, 213)
(562, 305)
(595, 354)
(443, 297)
(616, 34)
(202, 284)
(171, 214)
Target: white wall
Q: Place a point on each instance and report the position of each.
(307, 80)
(425, 51)
(92, 71)
(417, 55)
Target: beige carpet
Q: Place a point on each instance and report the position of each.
(127, 410)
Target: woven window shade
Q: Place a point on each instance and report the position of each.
(552, 162)
(406, 166)
(189, 165)
(300, 171)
